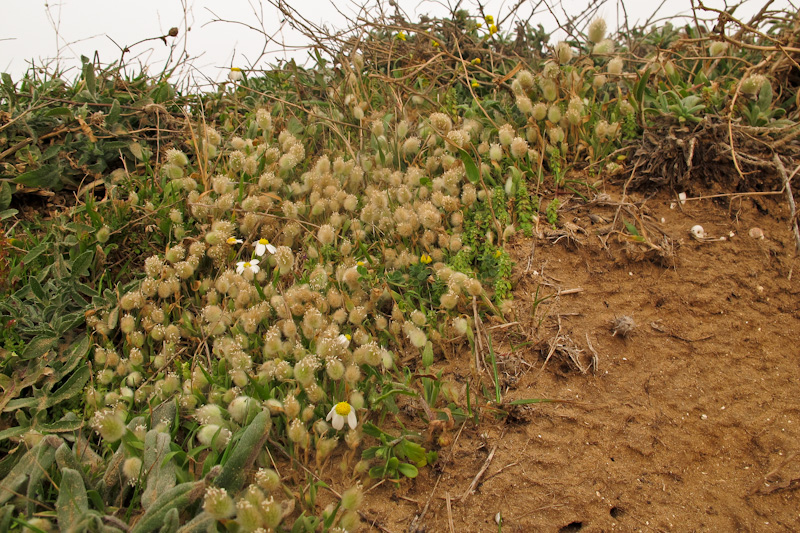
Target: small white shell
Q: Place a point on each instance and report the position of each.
(682, 197)
(698, 232)
(756, 233)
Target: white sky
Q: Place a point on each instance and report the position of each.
(59, 32)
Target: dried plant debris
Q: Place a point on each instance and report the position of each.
(622, 326)
(567, 355)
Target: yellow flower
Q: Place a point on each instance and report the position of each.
(479, 25)
(498, 253)
(492, 29)
(475, 84)
(476, 61)
(434, 44)
(489, 19)
(425, 259)
(401, 36)
(339, 412)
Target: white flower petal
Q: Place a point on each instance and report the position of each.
(351, 419)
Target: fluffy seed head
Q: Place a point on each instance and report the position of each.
(268, 479)
(326, 234)
(554, 114)
(752, 85)
(506, 134)
(519, 147)
(549, 89)
(525, 79)
(218, 503)
(717, 48)
(604, 47)
(352, 498)
(614, 66)
(131, 469)
(441, 123)
(110, 424)
(597, 30)
(563, 52)
(214, 436)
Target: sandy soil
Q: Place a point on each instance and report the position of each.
(690, 423)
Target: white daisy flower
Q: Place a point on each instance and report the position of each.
(235, 74)
(339, 412)
(234, 240)
(343, 340)
(263, 245)
(251, 265)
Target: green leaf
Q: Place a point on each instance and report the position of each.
(89, 77)
(10, 89)
(58, 111)
(70, 389)
(408, 470)
(632, 230)
(5, 196)
(113, 114)
(413, 451)
(8, 213)
(52, 152)
(86, 290)
(427, 354)
(46, 177)
(161, 93)
(377, 472)
(37, 289)
(73, 501)
(68, 425)
(12, 432)
(639, 88)
(295, 126)
(80, 267)
(469, 165)
(374, 431)
(38, 346)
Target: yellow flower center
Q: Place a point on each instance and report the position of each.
(263, 241)
(343, 408)
(231, 240)
(347, 336)
(498, 253)
(236, 69)
(247, 265)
